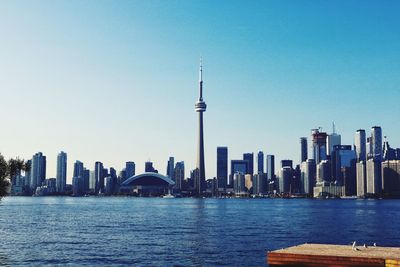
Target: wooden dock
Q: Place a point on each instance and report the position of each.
(316, 255)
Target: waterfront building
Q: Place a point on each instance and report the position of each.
(376, 143)
(129, 169)
(147, 184)
(78, 169)
(27, 181)
(61, 177)
(179, 174)
(391, 178)
(361, 179)
(249, 157)
(324, 189)
(285, 179)
(76, 186)
(99, 175)
(318, 145)
(248, 182)
(259, 183)
(308, 176)
(222, 167)
(374, 177)
(271, 167)
(303, 149)
(260, 162)
(239, 183)
(200, 107)
(92, 182)
(109, 185)
(38, 170)
(170, 168)
(85, 180)
(360, 145)
(324, 171)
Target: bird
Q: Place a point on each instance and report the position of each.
(365, 246)
(374, 244)
(354, 245)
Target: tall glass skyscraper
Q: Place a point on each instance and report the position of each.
(376, 143)
(170, 168)
(129, 169)
(303, 149)
(271, 167)
(222, 166)
(360, 144)
(38, 170)
(318, 145)
(249, 157)
(99, 174)
(61, 177)
(260, 162)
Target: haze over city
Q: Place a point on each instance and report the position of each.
(118, 82)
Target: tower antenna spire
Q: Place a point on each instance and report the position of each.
(201, 80)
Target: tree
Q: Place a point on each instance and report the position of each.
(9, 170)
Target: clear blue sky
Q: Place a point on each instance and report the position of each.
(117, 80)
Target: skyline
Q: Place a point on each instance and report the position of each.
(87, 83)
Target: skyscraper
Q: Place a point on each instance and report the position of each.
(61, 176)
(270, 167)
(38, 170)
(308, 175)
(360, 144)
(179, 174)
(318, 145)
(99, 174)
(260, 162)
(376, 143)
(200, 107)
(222, 166)
(129, 169)
(249, 157)
(333, 140)
(303, 149)
(170, 168)
(148, 167)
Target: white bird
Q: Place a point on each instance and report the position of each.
(354, 245)
(365, 246)
(374, 244)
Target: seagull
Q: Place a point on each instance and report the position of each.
(374, 244)
(365, 246)
(354, 245)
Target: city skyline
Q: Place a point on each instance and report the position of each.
(122, 92)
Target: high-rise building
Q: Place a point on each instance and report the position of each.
(361, 173)
(376, 143)
(148, 167)
(332, 140)
(308, 176)
(92, 182)
(78, 169)
(200, 107)
(249, 157)
(222, 167)
(388, 152)
(271, 168)
(318, 145)
(99, 174)
(287, 163)
(38, 170)
(85, 180)
(374, 177)
(343, 157)
(61, 177)
(285, 179)
(369, 148)
(129, 169)
(28, 174)
(260, 162)
(239, 183)
(360, 144)
(391, 178)
(170, 168)
(303, 149)
(179, 174)
(324, 171)
(259, 183)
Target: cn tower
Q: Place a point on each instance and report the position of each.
(200, 107)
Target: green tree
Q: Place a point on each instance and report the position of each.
(8, 170)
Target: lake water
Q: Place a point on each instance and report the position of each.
(119, 231)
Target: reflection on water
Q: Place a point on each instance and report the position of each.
(201, 232)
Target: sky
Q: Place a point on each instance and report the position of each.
(116, 81)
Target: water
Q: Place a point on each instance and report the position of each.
(182, 232)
